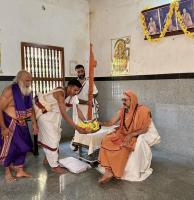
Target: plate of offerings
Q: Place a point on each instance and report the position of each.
(90, 126)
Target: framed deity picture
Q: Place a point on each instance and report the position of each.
(187, 11)
(120, 54)
(152, 21)
(163, 12)
(155, 19)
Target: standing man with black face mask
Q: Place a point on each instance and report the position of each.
(83, 93)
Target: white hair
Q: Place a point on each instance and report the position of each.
(19, 75)
(24, 90)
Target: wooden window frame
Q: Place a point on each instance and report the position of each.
(32, 60)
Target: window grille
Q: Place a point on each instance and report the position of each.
(45, 63)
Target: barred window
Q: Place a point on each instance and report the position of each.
(45, 63)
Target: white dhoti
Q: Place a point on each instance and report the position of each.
(52, 157)
(83, 95)
(49, 124)
(50, 135)
(138, 167)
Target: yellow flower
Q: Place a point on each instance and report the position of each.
(147, 8)
(173, 6)
(181, 22)
(90, 126)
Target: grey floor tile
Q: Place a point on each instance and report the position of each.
(172, 179)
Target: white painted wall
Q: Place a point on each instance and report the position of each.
(117, 18)
(64, 23)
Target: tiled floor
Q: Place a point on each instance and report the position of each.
(172, 179)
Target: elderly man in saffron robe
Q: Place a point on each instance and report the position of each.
(15, 140)
(116, 147)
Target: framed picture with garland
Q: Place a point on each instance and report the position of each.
(163, 13)
(152, 19)
(156, 18)
(187, 11)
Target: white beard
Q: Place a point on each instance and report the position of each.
(26, 91)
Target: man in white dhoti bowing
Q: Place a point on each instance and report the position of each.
(83, 93)
(50, 108)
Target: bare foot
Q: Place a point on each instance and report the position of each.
(21, 173)
(58, 170)
(10, 179)
(45, 161)
(106, 178)
(8, 176)
(12, 169)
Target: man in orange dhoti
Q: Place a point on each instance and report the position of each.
(116, 147)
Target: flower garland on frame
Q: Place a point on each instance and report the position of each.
(173, 6)
(181, 22)
(165, 29)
